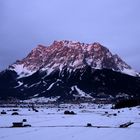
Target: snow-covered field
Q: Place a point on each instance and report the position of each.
(50, 123)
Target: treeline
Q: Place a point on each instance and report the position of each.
(126, 103)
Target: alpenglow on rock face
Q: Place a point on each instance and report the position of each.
(69, 71)
(73, 55)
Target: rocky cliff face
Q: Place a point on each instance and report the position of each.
(69, 70)
(73, 55)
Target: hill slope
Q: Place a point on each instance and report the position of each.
(69, 70)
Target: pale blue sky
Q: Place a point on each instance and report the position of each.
(26, 23)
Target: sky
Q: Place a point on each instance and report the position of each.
(26, 23)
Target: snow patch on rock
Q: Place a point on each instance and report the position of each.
(130, 72)
(81, 93)
(21, 70)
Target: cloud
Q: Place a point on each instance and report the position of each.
(26, 23)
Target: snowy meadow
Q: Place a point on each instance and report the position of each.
(87, 122)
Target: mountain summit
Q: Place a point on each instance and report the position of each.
(71, 55)
(70, 71)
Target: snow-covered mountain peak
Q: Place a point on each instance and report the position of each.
(71, 55)
(70, 71)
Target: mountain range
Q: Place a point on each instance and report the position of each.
(70, 71)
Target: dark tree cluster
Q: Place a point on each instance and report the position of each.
(126, 103)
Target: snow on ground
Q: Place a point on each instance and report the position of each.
(50, 123)
(41, 99)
